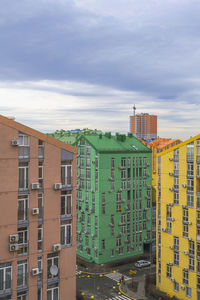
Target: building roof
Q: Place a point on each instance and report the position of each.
(180, 145)
(28, 130)
(160, 143)
(106, 143)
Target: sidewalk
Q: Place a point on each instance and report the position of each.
(140, 294)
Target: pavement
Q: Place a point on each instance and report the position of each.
(140, 294)
(105, 285)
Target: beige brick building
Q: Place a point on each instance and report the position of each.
(37, 215)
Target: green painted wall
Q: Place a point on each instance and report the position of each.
(90, 239)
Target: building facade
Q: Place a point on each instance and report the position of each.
(37, 215)
(178, 220)
(143, 125)
(113, 198)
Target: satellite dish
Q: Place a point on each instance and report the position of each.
(54, 270)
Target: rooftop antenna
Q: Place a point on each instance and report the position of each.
(134, 109)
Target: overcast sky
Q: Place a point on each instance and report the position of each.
(84, 63)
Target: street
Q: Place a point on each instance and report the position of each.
(105, 286)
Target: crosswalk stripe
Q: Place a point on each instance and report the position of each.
(116, 276)
(120, 297)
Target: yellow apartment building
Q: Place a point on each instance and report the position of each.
(178, 220)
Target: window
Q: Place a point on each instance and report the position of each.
(190, 169)
(190, 200)
(176, 168)
(23, 176)
(190, 151)
(188, 292)
(39, 278)
(191, 263)
(185, 230)
(103, 245)
(123, 162)
(66, 204)
(176, 183)
(185, 214)
(40, 237)
(66, 173)
(22, 274)
(176, 258)
(198, 282)
(103, 204)
(176, 198)
(169, 226)
(23, 240)
(176, 286)
(191, 248)
(112, 163)
(190, 184)
(40, 149)
(22, 208)
(176, 243)
(169, 211)
(169, 271)
(23, 146)
(40, 205)
(40, 174)
(185, 276)
(52, 260)
(118, 242)
(22, 296)
(5, 276)
(39, 293)
(53, 293)
(66, 233)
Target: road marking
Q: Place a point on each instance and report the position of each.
(131, 272)
(119, 297)
(116, 276)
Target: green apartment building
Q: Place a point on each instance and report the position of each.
(113, 197)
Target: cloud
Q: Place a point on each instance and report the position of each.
(84, 63)
(68, 105)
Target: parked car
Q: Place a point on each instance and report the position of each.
(142, 263)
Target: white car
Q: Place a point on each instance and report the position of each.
(142, 263)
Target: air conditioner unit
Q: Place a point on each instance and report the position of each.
(170, 263)
(35, 186)
(14, 247)
(35, 271)
(171, 174)
(171, 159)
(171, 189)
(172, 279)
(172, 219)
(123, 201)
(163, 229)
(171, 247)
(183, 206)
(35, 211)
(110, 178)
(14, 143)
(13, 238)
(185, 252)
(56, 247)
(111, 191)
(184, 185)
(57, 186)
(189, 223)
(171, 204)
(182, 287)
(120, 190)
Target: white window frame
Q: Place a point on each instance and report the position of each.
(66, 227)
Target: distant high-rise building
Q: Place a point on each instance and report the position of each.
(143, 125)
